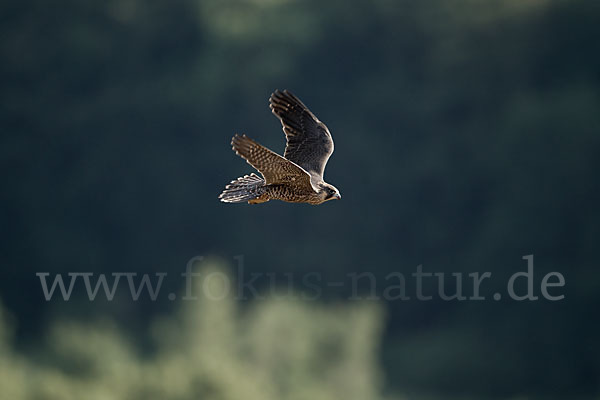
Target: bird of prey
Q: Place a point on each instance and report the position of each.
(297, 177)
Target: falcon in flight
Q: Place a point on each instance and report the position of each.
(297, 177)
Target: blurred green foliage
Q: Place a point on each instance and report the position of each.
(466, 136)
(276, 349)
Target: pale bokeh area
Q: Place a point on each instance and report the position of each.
(275, 348)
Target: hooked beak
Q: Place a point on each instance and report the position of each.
(338, 196)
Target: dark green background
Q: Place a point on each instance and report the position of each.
(467, 135)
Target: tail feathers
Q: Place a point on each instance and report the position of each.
(243, 189)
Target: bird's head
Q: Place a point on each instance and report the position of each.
(329, 192)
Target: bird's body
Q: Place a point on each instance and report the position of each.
(296, 177)
(287, 193)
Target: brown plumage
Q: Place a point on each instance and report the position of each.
(295, 177)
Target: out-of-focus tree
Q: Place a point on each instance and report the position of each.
(276, 349)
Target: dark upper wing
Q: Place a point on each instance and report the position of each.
(274, 168)
(309, 143)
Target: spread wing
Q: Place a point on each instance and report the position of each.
(274, 168)
(309, 143)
